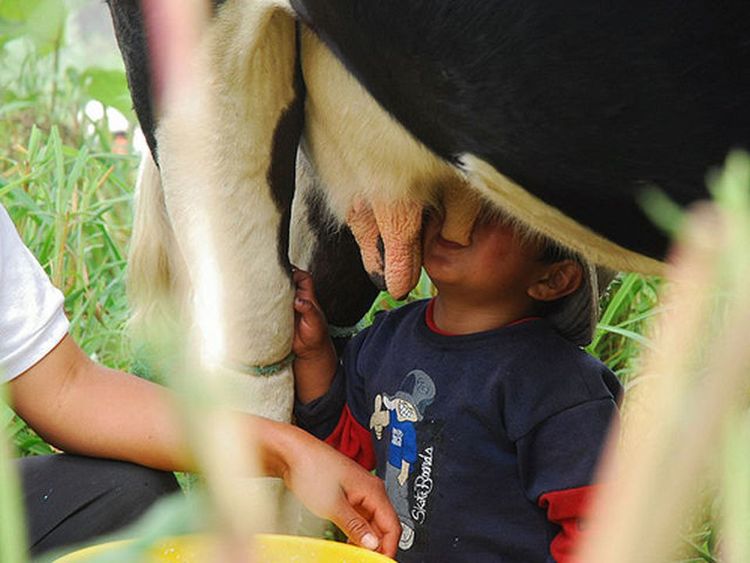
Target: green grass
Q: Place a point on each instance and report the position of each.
(70, 199)
(68, 195)
(629, 304)
(72, 207)
(12, 543)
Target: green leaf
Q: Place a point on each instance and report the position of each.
(663, 212)
(110, 87)
(42, 21)
(639, 338)
(10, 30)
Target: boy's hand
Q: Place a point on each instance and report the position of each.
(315, 362)
(310, 326)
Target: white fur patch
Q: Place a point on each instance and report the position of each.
(269, 396)
(157, 280)
(550, 222)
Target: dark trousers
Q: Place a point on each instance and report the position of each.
(70, 499)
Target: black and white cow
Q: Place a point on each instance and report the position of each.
(562, 113)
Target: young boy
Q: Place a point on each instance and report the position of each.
(477, 407)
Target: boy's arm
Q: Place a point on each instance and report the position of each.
(83, 407)
(321, 383)
(329, 419)
(558, 460)
(568, 509)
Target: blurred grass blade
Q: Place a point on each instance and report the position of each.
(676, 420)
(632, 335)
(12, 530)
(736, 485)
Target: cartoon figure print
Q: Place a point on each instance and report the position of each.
(402, 411)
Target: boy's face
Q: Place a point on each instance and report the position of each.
(494, 264)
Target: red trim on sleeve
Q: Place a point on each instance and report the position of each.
(566, 509)
(353, 440)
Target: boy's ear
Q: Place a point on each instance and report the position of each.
(558, 280)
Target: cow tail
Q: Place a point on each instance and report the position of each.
(156, 270)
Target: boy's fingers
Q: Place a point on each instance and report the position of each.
(311, 313)
(305, 287)
(301, 277)
(302, 305)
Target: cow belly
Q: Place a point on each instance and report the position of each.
(361, 152)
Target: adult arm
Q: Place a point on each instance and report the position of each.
(85, 408)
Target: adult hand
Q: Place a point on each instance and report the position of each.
(334, 487)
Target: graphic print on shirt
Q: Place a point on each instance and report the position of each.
(401, 412)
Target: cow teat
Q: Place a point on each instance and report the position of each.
(461, 205)
(389, 235)
(389, 239)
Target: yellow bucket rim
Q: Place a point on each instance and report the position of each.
(275, 548)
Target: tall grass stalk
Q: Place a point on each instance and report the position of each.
(12, 530)
(695, 385)
(735, 479)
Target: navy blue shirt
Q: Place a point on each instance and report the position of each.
(480, 425)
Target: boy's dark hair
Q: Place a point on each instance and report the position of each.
(551, 252)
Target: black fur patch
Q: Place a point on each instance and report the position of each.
(127, 19)
(282, 171)
(343, 288)
(378, 280)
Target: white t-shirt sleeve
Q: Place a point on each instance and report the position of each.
(32, 320)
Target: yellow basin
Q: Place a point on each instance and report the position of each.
(269, 548)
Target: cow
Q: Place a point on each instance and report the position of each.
(566, 115)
